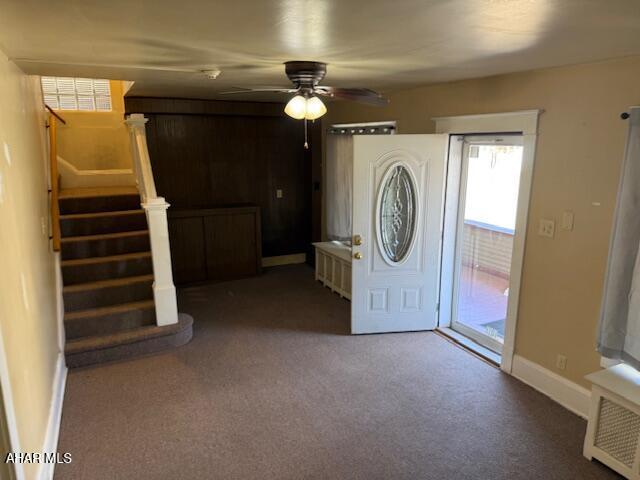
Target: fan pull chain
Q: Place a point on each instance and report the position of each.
(306, 143)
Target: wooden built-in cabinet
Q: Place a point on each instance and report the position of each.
(215, 244)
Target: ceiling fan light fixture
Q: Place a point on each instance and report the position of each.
(296, 107)
(315, 108)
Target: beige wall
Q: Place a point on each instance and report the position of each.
(28, 311)
(96, 140)
(579, 153)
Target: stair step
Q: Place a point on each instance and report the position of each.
(102, 293)
(104, 199)
(84, 192)
(107, 320)
(77, 224)
(105, 244)
(83, 270)
(128, 343)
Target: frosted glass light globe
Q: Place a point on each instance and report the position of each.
(315, 108)
(296, 107)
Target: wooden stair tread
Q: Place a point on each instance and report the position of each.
(97, 192)
(111, 309)
(105, 236)
(112, 282)
(106, 259)
(133, 335)
(73, 216)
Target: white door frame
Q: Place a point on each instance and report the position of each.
(526, 123)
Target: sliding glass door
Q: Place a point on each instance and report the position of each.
(489, 187)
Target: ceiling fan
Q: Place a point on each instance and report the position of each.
(306, 103)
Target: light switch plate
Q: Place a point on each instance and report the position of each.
(279, 193)
(567, 220)
(546, 228)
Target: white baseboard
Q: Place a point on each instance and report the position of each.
(570, 395)
(55, 415)
(284, 260)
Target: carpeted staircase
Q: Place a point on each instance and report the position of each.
(108, 276)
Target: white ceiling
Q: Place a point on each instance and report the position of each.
(383, 44)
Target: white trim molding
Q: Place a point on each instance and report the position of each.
(55, 416)
(524, 122)
(570, 395)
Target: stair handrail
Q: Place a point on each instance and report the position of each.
(52, 124)
(55, 114)
(140, 153)
(164, 291)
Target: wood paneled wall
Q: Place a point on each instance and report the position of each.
(208, 153)
(214, 244)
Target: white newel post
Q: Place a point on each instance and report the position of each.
(164, 291)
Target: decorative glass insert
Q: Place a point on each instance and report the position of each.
(397, 214)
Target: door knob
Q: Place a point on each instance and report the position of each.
(357, 256)
(357, 240)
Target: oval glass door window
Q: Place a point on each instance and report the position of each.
(397, 214)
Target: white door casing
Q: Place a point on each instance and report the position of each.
(397, 295)
(526, 123)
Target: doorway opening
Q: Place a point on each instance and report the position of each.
(483, 221)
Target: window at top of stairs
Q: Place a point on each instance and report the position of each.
(82, 94)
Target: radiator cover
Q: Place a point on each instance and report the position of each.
(613, 432)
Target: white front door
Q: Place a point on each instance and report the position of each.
(398, 185)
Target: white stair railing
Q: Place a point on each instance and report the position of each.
(164, 291)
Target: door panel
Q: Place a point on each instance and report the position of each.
(397, 194)
(488, 199)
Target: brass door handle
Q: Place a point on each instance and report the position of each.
(357, 256)
(357, 240)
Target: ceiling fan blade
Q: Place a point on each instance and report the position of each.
(362, 95)
(260, 89)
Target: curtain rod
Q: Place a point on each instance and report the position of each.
(626, 115)
(355, 129)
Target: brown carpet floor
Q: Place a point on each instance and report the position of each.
(272, 387)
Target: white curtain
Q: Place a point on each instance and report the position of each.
(339, 186)
(619, 336)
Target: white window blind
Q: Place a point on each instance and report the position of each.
(82, 94)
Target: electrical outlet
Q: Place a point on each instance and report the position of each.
(561, 362)
(546, 228)
(279, 193)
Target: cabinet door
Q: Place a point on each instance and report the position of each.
(231, 246)
(186, 236)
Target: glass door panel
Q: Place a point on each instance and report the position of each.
(484, 242)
